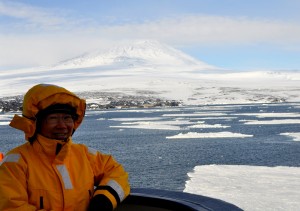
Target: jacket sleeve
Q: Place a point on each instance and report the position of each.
(110, 178)
(13, 191)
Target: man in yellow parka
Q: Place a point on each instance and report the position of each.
(50, 172)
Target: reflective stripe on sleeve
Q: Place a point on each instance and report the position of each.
(65, 176)
(92, 151)
(11, 158)
(117, 187)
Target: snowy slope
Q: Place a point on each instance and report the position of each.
(142, 53)
(145, 66)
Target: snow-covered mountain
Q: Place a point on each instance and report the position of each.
(141, 53)
(151, 68)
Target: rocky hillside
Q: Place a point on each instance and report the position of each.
(98, 100)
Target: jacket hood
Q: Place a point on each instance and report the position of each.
(39, 98)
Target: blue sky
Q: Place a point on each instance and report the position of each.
(232, 34)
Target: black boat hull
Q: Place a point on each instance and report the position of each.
(144, 199)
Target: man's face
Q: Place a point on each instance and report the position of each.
(57, 126)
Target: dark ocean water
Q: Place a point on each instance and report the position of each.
(153, 161)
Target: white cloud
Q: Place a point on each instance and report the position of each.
(34, 17)
(46, 49)
(199, 29)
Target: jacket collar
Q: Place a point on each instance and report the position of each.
(48, 147)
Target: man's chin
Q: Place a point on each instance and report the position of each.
(62, 138)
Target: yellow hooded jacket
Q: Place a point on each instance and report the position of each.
(34, 177)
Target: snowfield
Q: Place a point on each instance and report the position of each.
(154, 69)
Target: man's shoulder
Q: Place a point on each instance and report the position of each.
(79, 147)
(17, 154)
(85, 148)
(23, 148)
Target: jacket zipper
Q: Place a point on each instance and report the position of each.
(41, 202)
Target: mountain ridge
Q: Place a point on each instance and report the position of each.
(140, 53)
